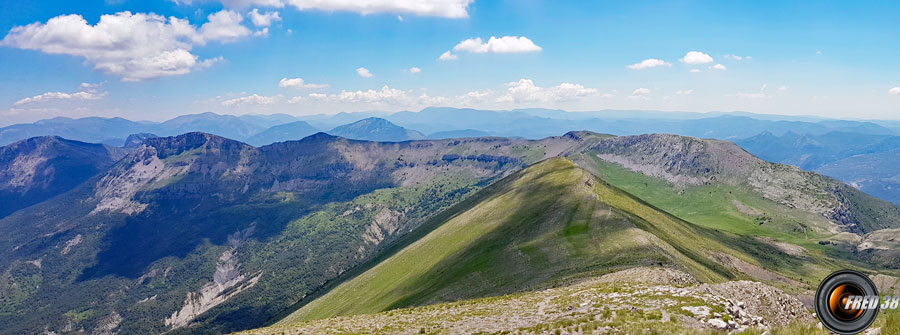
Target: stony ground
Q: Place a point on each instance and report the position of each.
(654, 300)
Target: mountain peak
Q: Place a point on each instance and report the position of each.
(174, 145)
(376, 129)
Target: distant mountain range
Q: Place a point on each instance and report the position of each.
(866, 161)
(447, 122)
(856, 152)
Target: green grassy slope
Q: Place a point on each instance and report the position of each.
(737, 210)
(548, 224)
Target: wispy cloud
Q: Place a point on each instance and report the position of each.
(648, 63)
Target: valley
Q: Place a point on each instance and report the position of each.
(327, 227)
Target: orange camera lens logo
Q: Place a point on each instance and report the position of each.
(840, 298)
(847, 302)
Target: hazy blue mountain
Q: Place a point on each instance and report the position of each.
(877, 174)
(810, 151)
(229, 126)
(458, 134)
(867, 161)
(39, 168)
(376, 129)
(283, 132)
(268, 120)
(135, 140)
(90, 129)
(527, 123)
(328, 121)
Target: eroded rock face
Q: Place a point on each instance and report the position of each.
(227, 282)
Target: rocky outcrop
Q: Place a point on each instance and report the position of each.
(227, 282)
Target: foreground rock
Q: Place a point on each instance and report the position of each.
(656, 299)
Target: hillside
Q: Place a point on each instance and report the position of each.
(39, 168)
(202, 234)
(376, 129)
(548, 224)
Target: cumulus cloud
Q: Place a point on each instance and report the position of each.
(298, 83)
(254, 99)
(525, 90)
(648, 63)
(56, 96)
(134, 46)
(414, 70)
(895, 90)
(696, 57)
(224, 26)
(718, 67)
(265, 19)
(364, 72)
(505, 44)
(448, 56)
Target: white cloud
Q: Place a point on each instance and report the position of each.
(438, 8)
(696, 70)
(448, 56)
(505, 44)
(254, 99)
(134, 46)
(224, 26)
(90, 87)
(718, 67)
(265, 19)
(474, 97)
(364, 72)
(895, 91)
(414, 70)
(238, 4)
(56, 96)
(298, 83)
(760, 95)
(385, 95)
(684, 92)
(737, 58)
(783, 88)
(641, 91)
(648, 63)
(696, 57)
(524, 90)
(261, 33)
(425, 99)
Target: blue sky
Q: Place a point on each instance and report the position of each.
(165, 58)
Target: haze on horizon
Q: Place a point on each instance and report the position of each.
(154, 60)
